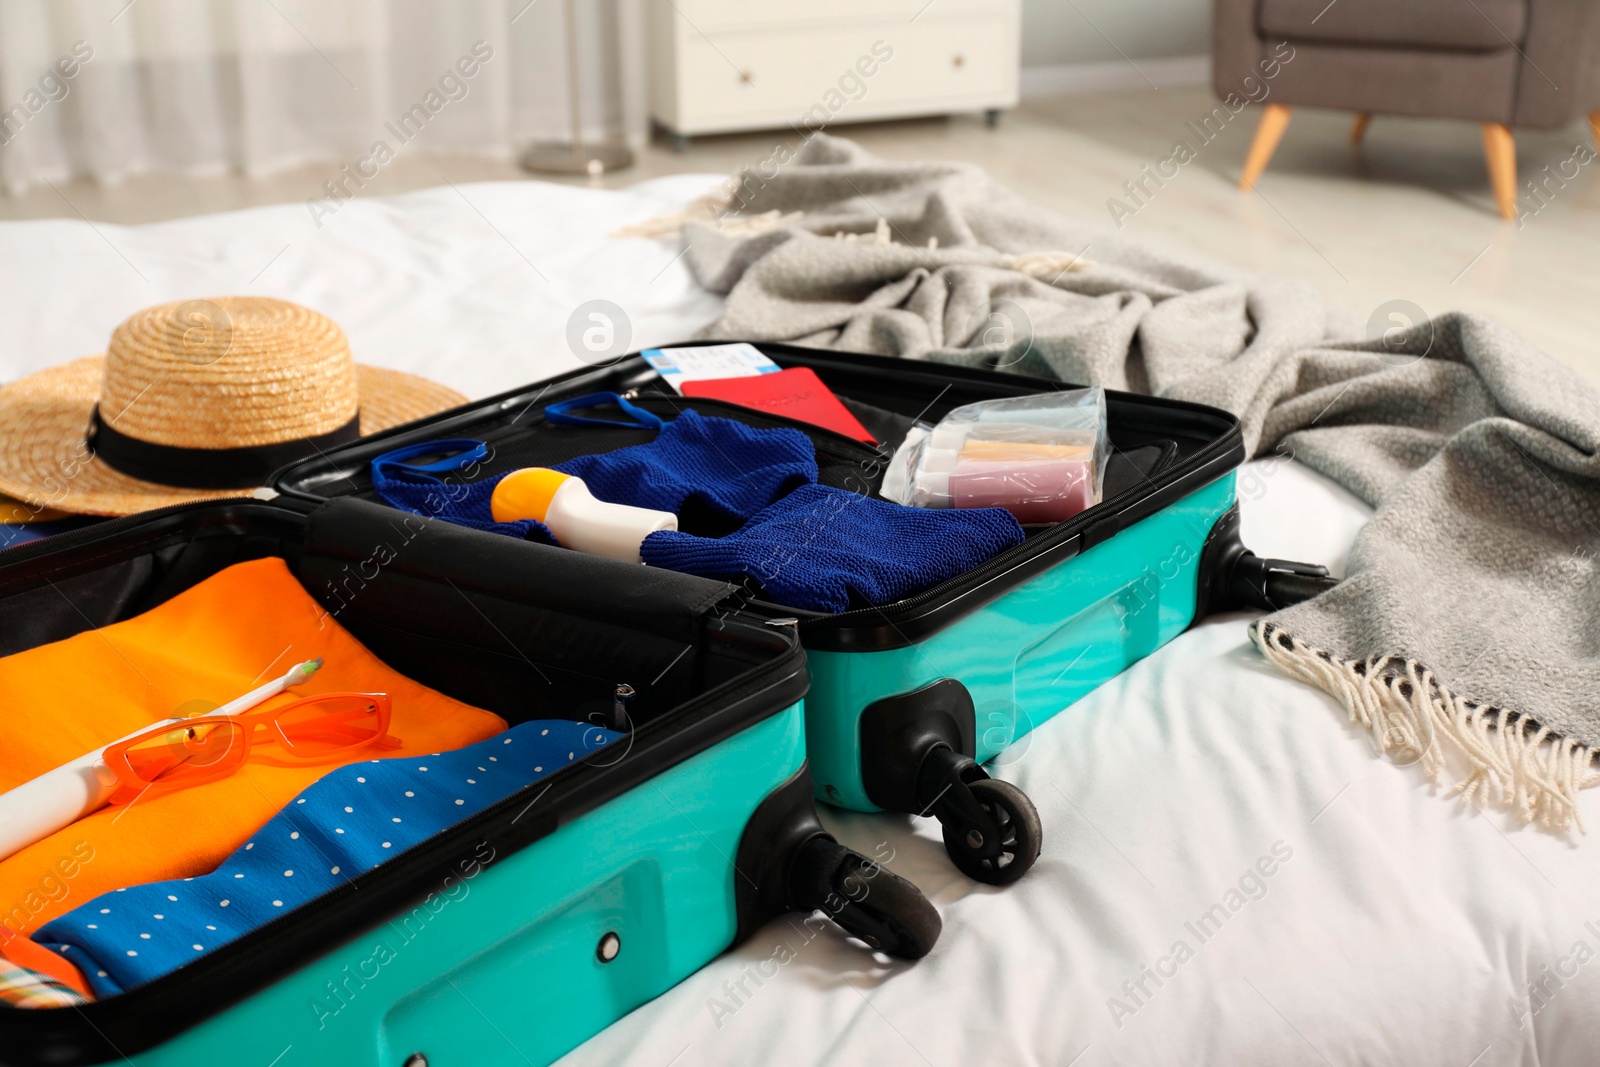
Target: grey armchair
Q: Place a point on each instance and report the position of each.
(1500, 63)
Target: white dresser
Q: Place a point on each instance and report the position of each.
(717, 66)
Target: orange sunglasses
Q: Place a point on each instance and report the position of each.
(189, 752)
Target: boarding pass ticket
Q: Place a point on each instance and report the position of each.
(705, 362)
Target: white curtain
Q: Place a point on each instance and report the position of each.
(108, 88)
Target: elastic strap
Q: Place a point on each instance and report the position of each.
(461, 451)
(558, 413)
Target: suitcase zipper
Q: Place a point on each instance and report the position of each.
(88, 534)
(17, 556)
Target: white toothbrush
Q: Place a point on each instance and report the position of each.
(297, 674)
(56, 799)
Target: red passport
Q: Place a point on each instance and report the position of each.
(796, 393)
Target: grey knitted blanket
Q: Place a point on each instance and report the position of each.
(1464, 637)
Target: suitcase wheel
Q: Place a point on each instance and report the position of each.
(869, 901)
(991, 828)
(916, 757)
(1016, 845)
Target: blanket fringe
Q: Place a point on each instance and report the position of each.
(1048, 267)
(715, 208)
(1515, 764)
(879, 236)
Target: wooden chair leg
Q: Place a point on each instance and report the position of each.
(1500, 151)
(1359, 130)
(1594, 126)
(1269, 131)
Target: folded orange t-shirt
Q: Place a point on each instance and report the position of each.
(206, 646)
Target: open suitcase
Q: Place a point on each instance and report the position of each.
(620, 877)
(909, 699)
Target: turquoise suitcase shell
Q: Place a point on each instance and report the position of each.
(508, 968)
(1026, 655)
(908, 700)
(521, 932)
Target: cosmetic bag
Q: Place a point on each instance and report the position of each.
(526, 928)
(908, 700)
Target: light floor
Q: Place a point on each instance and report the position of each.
(1407, 216)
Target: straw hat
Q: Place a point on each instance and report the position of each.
(195, 400)
(14, 511)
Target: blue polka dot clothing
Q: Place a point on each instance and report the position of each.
(349, 821)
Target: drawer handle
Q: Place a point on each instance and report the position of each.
(958, 60)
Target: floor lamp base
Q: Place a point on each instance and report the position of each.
(555, 157)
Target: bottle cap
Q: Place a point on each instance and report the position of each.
(896, 476)
(526, 494)
(933, 490)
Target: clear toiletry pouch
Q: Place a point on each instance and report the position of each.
(1041, 457)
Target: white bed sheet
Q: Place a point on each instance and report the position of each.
(1398, 930)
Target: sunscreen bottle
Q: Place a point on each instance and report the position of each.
(579, 521)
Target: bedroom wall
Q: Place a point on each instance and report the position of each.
(1089, 45)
